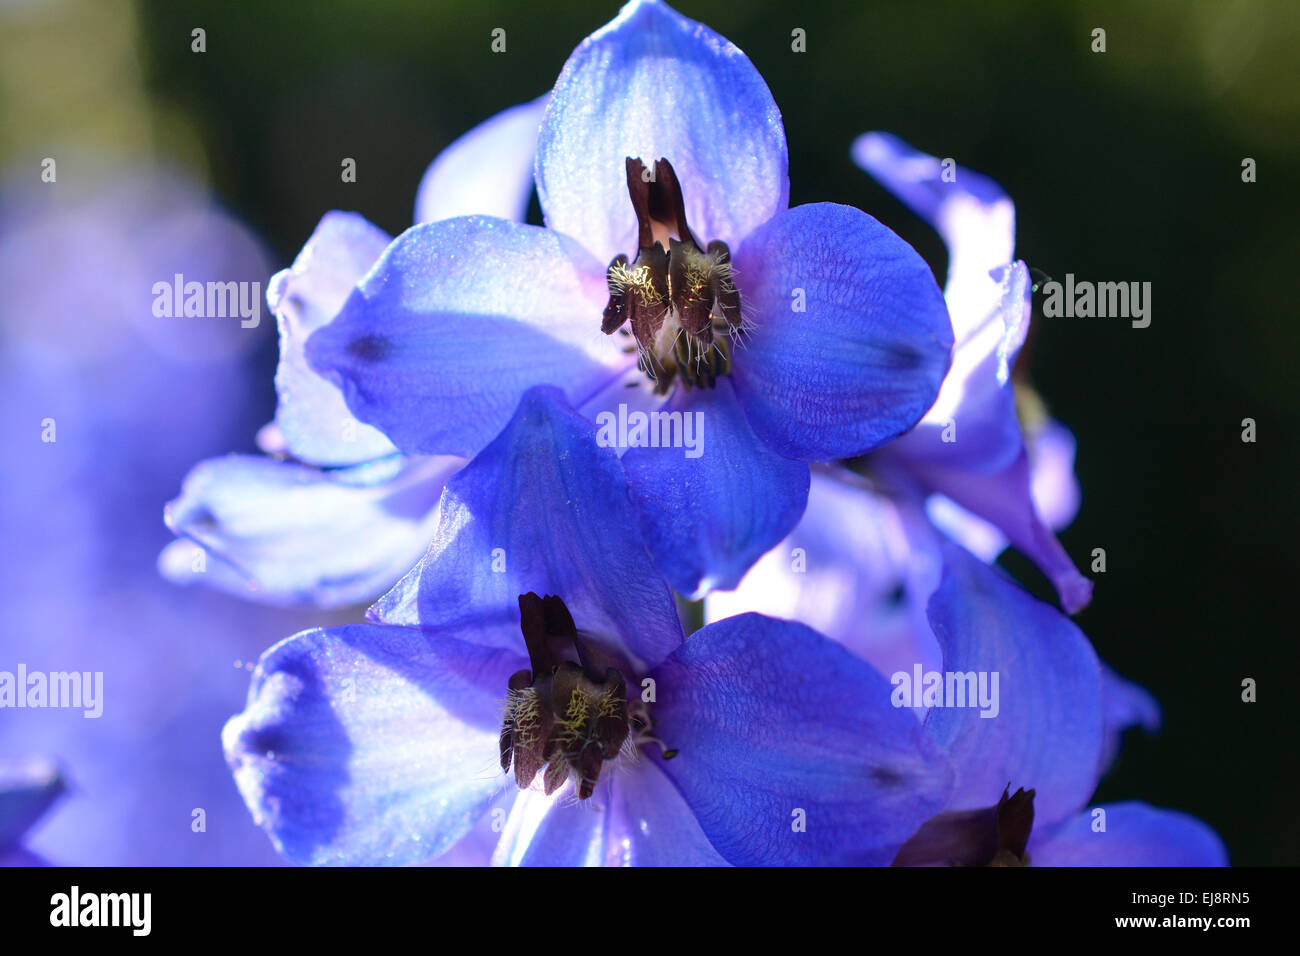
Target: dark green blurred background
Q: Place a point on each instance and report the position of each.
(1124, 166)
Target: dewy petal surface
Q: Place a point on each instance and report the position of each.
(653, 84)
(300, 535)
(456, 321)
(370, 745)
(864, 360)
(311, 415)
(708, 518)
(542, 509)
(1136, 834)
(1047, 732)
(488, 171)
(771, 718)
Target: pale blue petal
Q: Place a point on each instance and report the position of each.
(369, 745)
(488, 171)
(311, 416)
(652, 84)
(457, 320)
(298, 535)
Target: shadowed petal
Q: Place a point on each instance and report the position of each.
(863, 361)
(1045, 732)
(859, 567)
(709, 517)
(1125, 705)
(313, 420)
(1053, 491)
(456, 321)
(652, 84)
(488, 171)
(1004, 499)
(298, 535)
(542, 509)
(27, 790)
(370, 745)
(1136, 834)
(779, 727)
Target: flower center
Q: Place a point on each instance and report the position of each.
(568, 715)
(680, 300)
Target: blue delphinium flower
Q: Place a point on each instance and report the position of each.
(972, 453)
(536, 637)
(1047, 740)
(335, 515)
(671, 277)
(28, 788)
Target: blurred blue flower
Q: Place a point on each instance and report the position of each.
(104, 404)
(991, 474)
(661, 150)
(336, 514)
(755, 742)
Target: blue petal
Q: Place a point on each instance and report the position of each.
(1047, 731)
(973, 423)
(1125, 705)
(1136, 834)
(971, 211)
(297, 535)
(370, 745)
(987, 296)
(311, 415)
(864, 360)
(456, 321)
(635, 817)
(651, 823)
(488, 171)
(1053, 494)
(542, 509)
(1006, 501)
(771, 718)
(653, 84)
(554, 831)
(708, 518)
(27, 790)
(1053, 486)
